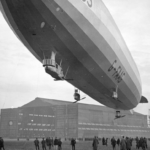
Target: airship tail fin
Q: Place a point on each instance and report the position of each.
(143, 100)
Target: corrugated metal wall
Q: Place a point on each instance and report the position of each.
(66, 121)
(8, 123)
(70, 121)
(101, 123)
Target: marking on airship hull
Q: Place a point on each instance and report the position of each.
(89, 3)
(117, 70)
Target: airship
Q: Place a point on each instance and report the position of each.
(79, 42)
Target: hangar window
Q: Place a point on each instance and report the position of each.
(19, 123)
(20, 129)
(30, 114)
(35, 114)
(21, 114)
(30, 129)
(45, 115)
(43, 124)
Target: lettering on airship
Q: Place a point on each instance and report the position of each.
(117, 71)
(88, 2)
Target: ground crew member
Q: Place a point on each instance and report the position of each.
(43, 142)
(95, 143)
(36, 143)
(73, 143)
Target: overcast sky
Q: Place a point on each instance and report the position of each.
(22, 77)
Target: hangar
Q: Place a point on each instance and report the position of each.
(55, 118)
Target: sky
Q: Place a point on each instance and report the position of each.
(22, 76)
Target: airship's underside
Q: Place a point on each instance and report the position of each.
(85, 39)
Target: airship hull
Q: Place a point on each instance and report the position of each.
(90, 45)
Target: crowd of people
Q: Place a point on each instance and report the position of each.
(123, 143)
(50, 143)
(126, 143)
(141, 142)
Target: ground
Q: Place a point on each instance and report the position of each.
(86, 145)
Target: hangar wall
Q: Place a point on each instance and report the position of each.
(53, 118)
(99, 121)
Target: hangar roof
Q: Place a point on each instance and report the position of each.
(37, 102)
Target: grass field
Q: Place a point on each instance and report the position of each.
(87, 145)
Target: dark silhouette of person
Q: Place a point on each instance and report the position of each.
(113, 143)
(106, 141)
(59, 144)
(73, 143)
(95, 143)
(36, 143)
(48, 142)
(123, 144)
(118, 142)
(103, 141)
(43, 142)
(128, 143)
(56, 143)
(1, 144)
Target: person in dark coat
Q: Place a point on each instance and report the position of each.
(145, 142)
(59, 144)
(43, 142)
(106, 141)
(73, 143)
(137, 142)
(52, 142)
(118, 142)
(113, 143)
(1, 144)
(103, 141)
(48, 143)
(128, 144)
(56, 143)
(95, 143)
(123, 144)
(36, 143)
